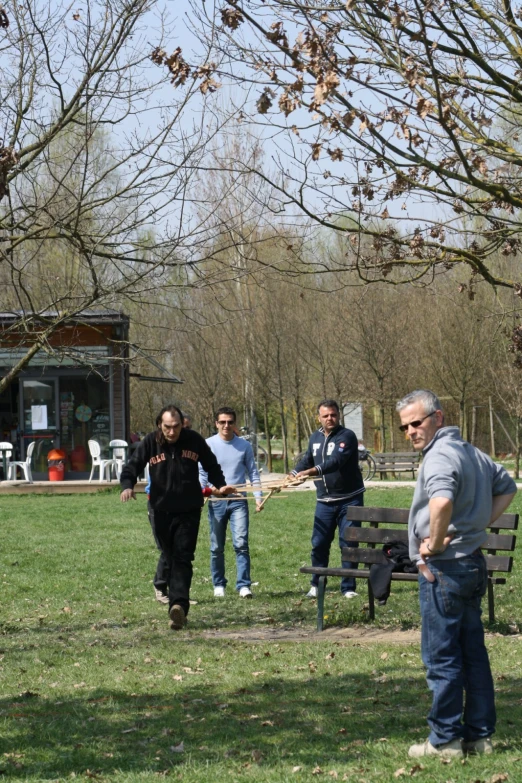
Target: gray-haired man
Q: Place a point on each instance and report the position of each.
(459, 492)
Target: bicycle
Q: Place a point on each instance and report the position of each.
(367, 463)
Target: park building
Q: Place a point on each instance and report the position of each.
(63, 398)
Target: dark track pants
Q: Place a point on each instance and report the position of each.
(178, 535)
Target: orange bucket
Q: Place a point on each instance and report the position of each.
(56, 464)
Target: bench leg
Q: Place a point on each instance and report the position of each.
(491, 602)
(371, 601)
(321, 587)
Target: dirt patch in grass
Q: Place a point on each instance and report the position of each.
(352, 635)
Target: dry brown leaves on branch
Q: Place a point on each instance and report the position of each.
(231, 17)
(8, 160)
(181, 70)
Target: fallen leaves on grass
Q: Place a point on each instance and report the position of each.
(177, 748)
(412, 771)
(498, 777)
(296, 769)
(384, 656)
(317, 771)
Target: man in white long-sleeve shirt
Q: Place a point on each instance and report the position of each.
(237, 461)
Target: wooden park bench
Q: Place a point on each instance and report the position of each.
(376, 531)
(397, 462)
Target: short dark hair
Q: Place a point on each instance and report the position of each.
(173, 410)
(328, 404)
(227, 410)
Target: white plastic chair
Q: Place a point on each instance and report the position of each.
(118, 454)
(25, 466)
(7, 454)
(104, 465)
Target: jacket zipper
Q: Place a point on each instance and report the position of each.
(323, 476)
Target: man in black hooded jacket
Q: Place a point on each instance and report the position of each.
(172, 454)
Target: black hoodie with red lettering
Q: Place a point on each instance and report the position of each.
(173, 468)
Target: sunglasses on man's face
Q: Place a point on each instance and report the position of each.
(226, 423)
(414, 424)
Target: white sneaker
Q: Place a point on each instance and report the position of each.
(245, 592)
(219, 592)
(350, 594)
(161, 597)
(312, 593)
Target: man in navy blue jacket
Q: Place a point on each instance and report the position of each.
(332, 456)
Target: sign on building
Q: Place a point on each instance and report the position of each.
(353, 418)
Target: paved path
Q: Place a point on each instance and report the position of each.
(83, 486)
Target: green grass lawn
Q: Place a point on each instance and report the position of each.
(94, 685)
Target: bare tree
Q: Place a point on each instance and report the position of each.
(96, 165)
(404, 114)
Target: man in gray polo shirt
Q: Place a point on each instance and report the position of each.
(459, 492)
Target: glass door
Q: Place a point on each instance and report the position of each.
(38, 419)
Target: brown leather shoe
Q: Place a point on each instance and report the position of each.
(177, 617)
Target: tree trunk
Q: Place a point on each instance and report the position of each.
(268, 437)
(382, 416)
(492, 428)
(284, 434)
(392, 430)
(307, 420)
(298, 427)
(462, 419)
(473, 424)
(516, 473)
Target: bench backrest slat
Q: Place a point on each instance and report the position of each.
(369, 556)
(499, 563)
(372, 514)
(399, 516)
(376, 535)
(505, 522)
(397, 455)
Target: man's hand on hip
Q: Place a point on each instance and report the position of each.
(427, 550)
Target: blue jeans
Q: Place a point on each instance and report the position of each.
(330, 517)
(219, 515)
(454, 652)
